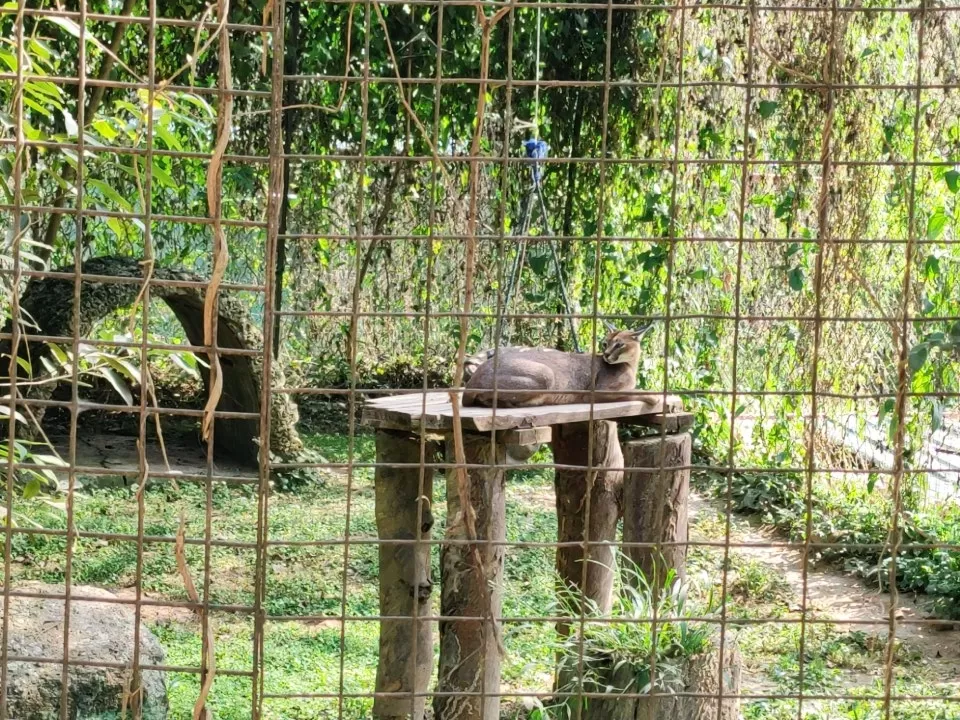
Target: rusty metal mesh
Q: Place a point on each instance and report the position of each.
(931, 26)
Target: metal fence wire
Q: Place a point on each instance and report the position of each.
(252, 252)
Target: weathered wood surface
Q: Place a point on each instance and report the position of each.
(655, 503)
(672, 422)
(526, 436)
(407, 411)
(469, 648)
(570, 447)
(405, 582)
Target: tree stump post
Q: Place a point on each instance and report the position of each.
(655, 504)
(693, 696)
(570, 446)
(471, 586)
(656, 490)
(405, 586)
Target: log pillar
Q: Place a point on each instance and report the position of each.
(655, 503)
(472, 587)
(656, 488)
(570, 447)
(406, 646)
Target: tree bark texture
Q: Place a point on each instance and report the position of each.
(655, 504)
(48, 302)
(403, 506)
(570, 447)
(700, 679)
(472, 587)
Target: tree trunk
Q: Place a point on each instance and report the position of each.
(699, 680)
(291, 63)
(655, 504)
(49, 302)
(406, 646)
(469, 649)
(570, 444)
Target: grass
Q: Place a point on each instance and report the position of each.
(304, 656)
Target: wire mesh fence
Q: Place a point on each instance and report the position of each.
(254, 252)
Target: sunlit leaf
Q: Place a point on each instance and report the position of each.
(198, 102)
(9, 59)
(122, 366)
(118, 226)
(52, 460)
(119, 384)
(106, 129)
(32, 488)
(45, 88)
(161, 177)
(66, 23)
(38, 107)
(5, 412)
(169, 139)
(40, 49)
(936, 224)
(110, 194)
(188, 362)
(70, 124)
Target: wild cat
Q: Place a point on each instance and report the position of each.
(527, 377)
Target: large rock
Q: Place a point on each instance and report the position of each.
(100, 632)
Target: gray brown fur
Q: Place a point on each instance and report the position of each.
(527, 377)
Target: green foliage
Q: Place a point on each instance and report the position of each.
(754, 257)
(632, 642)
(757, 582)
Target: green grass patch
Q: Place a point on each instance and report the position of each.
(323, 581)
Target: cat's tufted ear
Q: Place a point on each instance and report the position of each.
(637, 334)
(610, 326)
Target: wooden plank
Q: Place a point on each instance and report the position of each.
(405, 411)
(674, 422)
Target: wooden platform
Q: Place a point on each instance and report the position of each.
(404, 412)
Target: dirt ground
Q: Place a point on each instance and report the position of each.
(842, 597)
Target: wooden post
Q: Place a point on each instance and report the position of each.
(655, 511)
(404, 575)
(570, 444)
(690, 695)
(471, 586)
(655, 503)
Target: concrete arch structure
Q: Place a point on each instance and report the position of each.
(47, 308)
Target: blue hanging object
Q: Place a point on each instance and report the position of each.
(536, 150)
